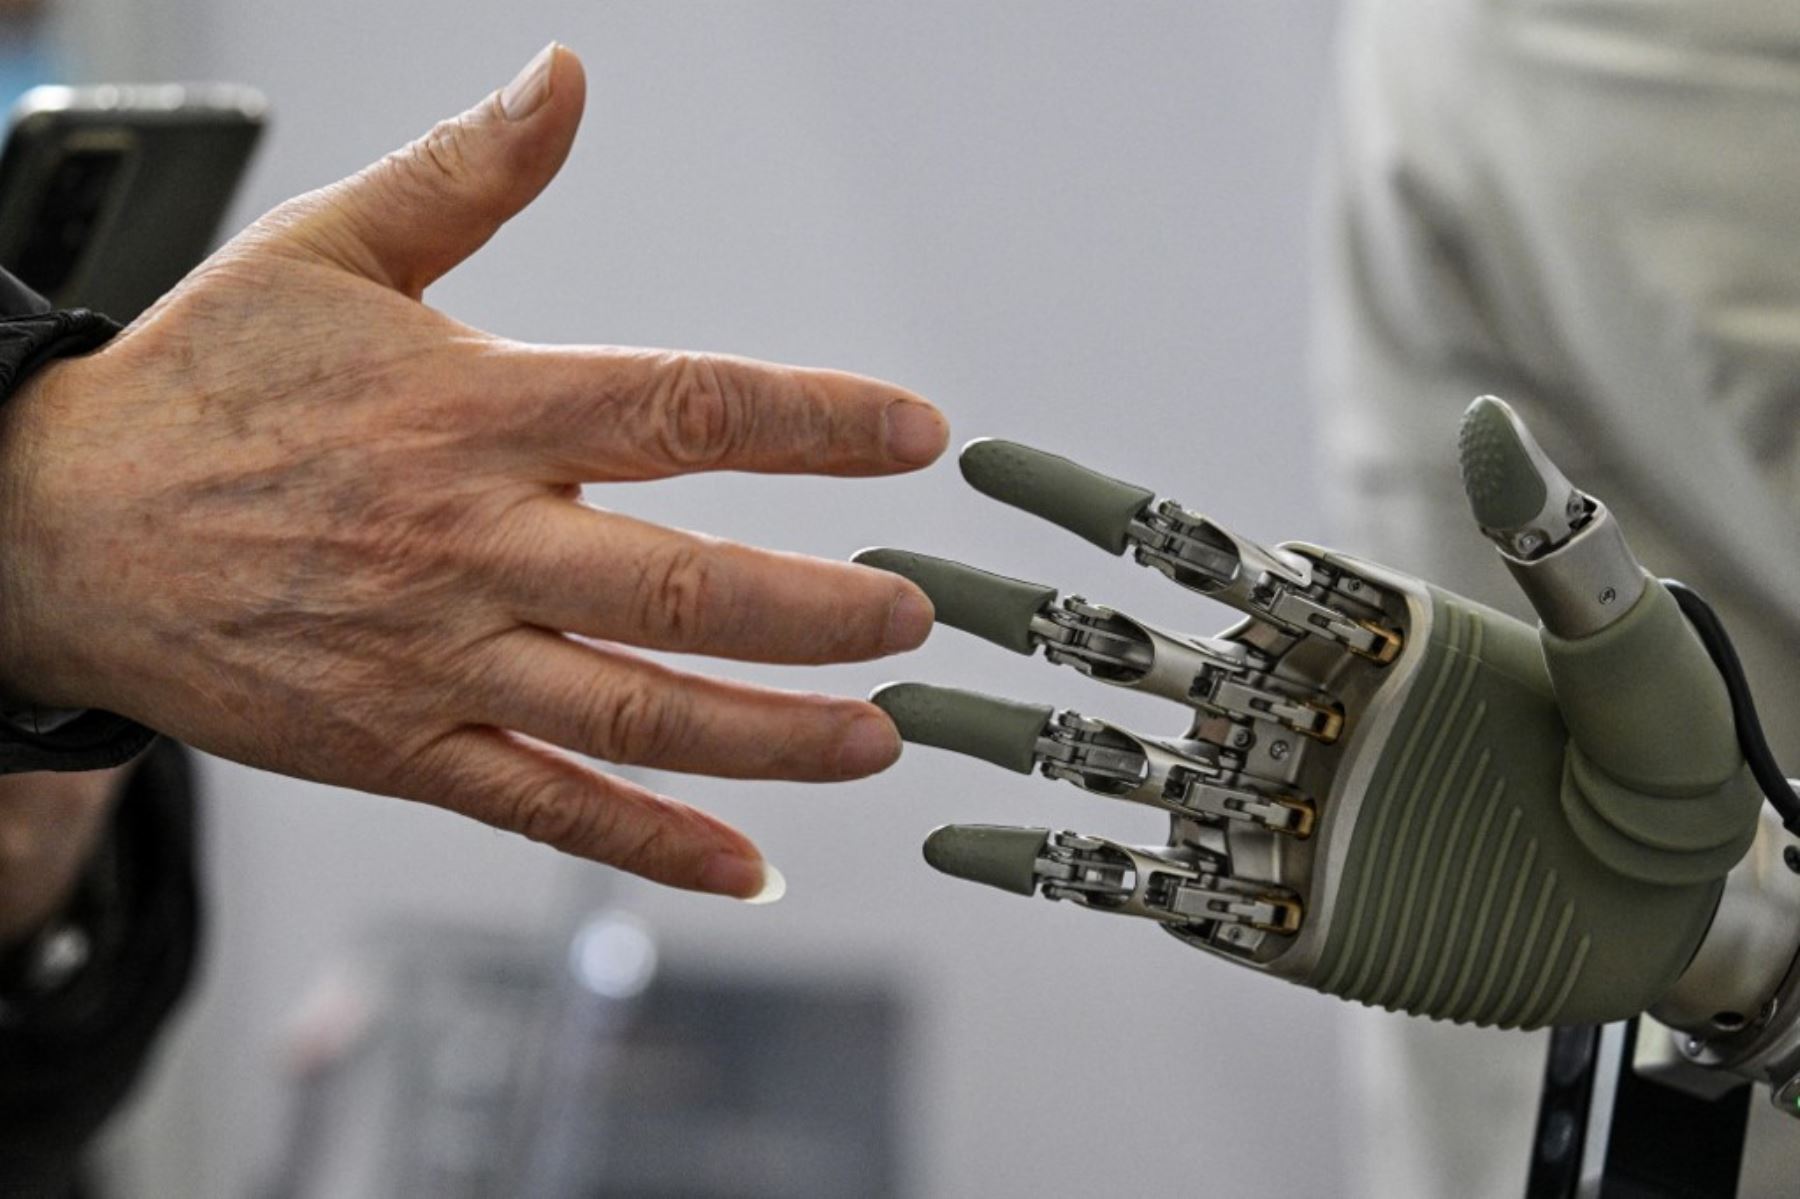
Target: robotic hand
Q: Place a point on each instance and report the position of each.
(1386, 791)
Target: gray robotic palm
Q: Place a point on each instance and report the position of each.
(1384, 790)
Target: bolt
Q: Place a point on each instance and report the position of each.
(1278, 750)
(1791, 855)
(1608, 596)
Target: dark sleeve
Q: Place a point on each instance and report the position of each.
(69, 1056)
(32, 334)
(16, 299)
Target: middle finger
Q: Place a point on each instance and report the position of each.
(581, 570)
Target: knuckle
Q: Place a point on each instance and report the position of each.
(384, 548)
(648, 850)
(554, 812)
(703, 421)
(823, 425)
(635, 724)
(444, 150)
(677, 594)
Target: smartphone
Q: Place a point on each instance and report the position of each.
(110, 194)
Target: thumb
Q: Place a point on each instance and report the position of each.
(1637, 689)
(1656, 784)
(406, 220)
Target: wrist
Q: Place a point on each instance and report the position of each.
(34, 671)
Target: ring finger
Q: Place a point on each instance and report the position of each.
(609, 704)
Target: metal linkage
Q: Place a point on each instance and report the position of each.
(1096, 641)
(1301, 597)
(1177, 886)
(1204, 782)
(1228, 677)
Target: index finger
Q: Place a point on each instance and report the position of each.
(601, 414)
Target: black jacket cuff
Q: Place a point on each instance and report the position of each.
(92, 740)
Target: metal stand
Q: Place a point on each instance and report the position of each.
(1607, 1131)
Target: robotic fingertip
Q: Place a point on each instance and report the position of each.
(1089, 504)
(991, 606)
(1000, 731)
(881, 557)
(991, 854)
(991, 465)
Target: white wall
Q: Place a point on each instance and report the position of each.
(120, 40)
(1072, 223)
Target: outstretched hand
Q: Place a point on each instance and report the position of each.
(297, 518)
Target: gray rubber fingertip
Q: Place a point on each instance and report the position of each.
(999, 857)
(988, 605)
(1001, 731)
(1085, 502)
(1503, 485)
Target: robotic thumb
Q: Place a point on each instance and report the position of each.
(1654, 781)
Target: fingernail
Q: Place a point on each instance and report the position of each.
(748, 879)
(530, 88)
(870, 745)
(916, 434)
(774, 886)
(909, 623)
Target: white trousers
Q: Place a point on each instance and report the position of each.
(1592, 209)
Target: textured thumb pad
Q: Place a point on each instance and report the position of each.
(1503, 485)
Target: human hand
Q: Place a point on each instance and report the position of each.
(295, 517)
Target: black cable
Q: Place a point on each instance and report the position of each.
(1755, 745)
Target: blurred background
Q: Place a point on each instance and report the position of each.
(1080, 225)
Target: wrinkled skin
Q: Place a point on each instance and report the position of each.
(297, 518)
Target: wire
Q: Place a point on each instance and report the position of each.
(1781, 793)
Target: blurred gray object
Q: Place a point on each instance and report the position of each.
(110, 194)
(466, 1065)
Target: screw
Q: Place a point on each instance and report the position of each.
(1608, 596)
(1791, 855)
(1353, 585)
(1278, 750)
(1241, 738)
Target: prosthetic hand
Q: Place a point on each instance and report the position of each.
(1386, 791)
